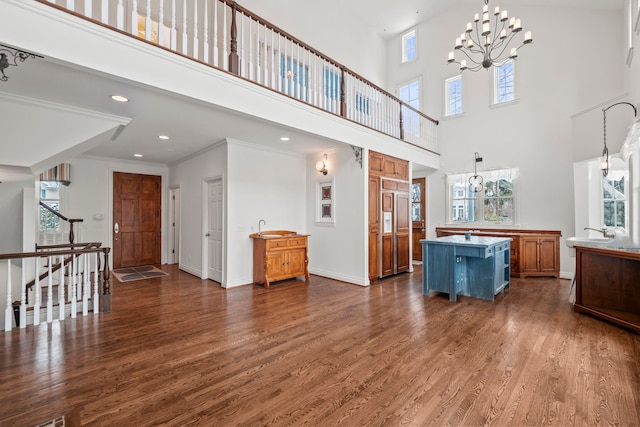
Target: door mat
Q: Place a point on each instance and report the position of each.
(137, 273)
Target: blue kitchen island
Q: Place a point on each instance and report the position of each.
(477, 267)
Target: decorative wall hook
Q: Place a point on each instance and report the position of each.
(11, 56)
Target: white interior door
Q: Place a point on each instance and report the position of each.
(214, 229)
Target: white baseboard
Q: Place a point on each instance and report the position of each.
(360, 281)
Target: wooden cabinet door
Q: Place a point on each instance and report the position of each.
(387, 221)
(295, 262)
(375, 162)
(529, 254)
(547, 255)
(276, 265)
(374, 255)
(374, 227)
(387, 254)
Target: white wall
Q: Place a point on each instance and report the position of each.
(535, 134)
(339, 250)
(259, 183)
(11, 214)
(263, 184)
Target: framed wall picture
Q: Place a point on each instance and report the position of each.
(325, 201)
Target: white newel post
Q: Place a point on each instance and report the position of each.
(8, 312)
(86, 285)
(38, 293)
(96, 274)
(23, 295)
(73, 282)
(61, 299)
(50, 292)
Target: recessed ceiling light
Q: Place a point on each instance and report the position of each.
(285, 138)
(137, 155)
(119, 98)
(165, 137)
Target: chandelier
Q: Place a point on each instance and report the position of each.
(485, 44)
(475, 182)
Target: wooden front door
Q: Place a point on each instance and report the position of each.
(418, 216)
(136, 219)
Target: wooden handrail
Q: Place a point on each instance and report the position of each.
(71, 221)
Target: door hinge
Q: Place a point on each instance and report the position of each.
(174, 197)
(173, 251)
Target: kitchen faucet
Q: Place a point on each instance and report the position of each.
(260, 222)
(605, 232)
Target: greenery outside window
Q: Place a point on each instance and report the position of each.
(614, 199)
(50, 195)
(493, 205)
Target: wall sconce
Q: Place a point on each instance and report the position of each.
(321, 166)
(604, 166)
(475, 182)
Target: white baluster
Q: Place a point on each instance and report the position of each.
(205, 43)
(196, 46)
(148, 25)
(23, 295)
(88, 9)
(215, 33)
(134, 18)
(50, 292)
(73, 283)
(174, 32)
(104, 12)
(38, 293)
(8, 311)
(184, 28)
(241, 49)
(249, 73)
(96, 296)
(161, 24)
(71, 5)
(119, 13)
(85, 284)
(61, 299)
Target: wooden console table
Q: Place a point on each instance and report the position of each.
(279, 255)
(478, 267)
(607, 285)
(533, 252)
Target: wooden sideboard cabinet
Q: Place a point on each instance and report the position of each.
(279, 255)
(607, 285)
(533, 252)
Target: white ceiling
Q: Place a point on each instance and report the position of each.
(57, 96)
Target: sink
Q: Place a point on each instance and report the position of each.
(587, 241)
(271, 234)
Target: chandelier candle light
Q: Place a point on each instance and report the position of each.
(485, 44)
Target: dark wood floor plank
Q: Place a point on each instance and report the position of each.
(181, 351)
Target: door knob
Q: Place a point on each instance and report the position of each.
(116, 228)
(207, 235)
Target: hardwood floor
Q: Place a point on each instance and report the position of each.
(180, 351)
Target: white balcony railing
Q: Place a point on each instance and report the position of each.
(222, 34)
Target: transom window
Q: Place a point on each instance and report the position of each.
(504, 83)
(409, 46)
(453, 96)
(493, 205)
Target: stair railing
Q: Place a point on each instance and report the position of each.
(70, 221)
(57, 294)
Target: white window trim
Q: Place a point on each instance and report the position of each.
(620, 230)
(446, 113)
(494, 86)
(403, 52)
(490, 175)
